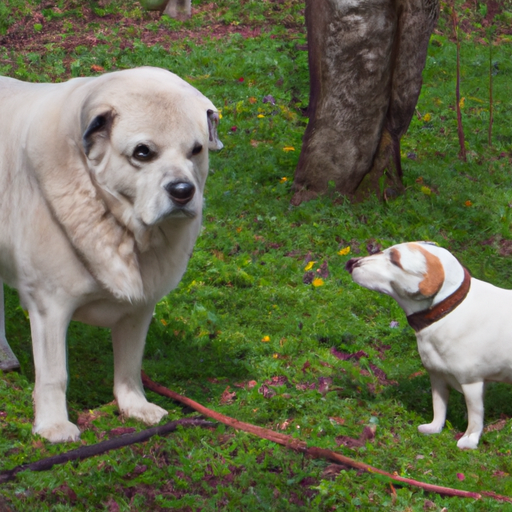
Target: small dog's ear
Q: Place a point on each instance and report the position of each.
(97, 130)
(213, 140)
(434, 276)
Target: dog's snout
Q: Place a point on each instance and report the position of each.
(351, 264)
(181, 192)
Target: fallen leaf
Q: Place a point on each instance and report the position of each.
(308, 277)
(227, 397)
(266, 391)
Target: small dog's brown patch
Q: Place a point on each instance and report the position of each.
(434, 277)
(395, 256)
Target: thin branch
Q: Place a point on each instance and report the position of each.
(301, 446)
(86, 452)
(460, 129)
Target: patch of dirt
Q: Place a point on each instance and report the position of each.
(90, 29)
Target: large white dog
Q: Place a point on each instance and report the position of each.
(101, 194)
(463, 326)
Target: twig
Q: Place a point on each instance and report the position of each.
(301, 446)
(460, 129)
(96, 449)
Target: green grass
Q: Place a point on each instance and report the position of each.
(245, 280)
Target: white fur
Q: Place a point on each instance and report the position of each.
(467, 348)
(88, 232)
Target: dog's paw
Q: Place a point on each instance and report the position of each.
(430, 428)
(148, 413)
(468, 442)
(62, 432)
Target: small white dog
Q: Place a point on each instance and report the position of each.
(101, 195)
(463, 325)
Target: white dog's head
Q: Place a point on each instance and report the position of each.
(146, 135)
(416, 274)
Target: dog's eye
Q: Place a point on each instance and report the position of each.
(197, 149)
(142, 152)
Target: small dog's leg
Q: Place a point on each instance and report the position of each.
(8, 360)
(48, 326)
(474, 395)
(440, 393)
(128, 338)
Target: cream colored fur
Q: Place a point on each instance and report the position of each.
(466, 349)
(88, 230)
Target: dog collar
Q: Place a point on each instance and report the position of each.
(422, 319)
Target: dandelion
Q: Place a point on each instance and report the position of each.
(265, 339)
(427, 118)
(344, 252)
(287, 149)
(260, 116)
(318, 282)
(309, 266)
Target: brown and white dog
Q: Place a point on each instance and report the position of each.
(463, 325)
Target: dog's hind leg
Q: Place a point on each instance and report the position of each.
(8, 360)
(48, 325)
(440, 393)
(474, 395)
(128, 338)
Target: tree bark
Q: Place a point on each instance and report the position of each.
(366, 59)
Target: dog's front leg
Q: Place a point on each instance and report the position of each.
(128, 338)
(440, 393)
(474, 396)
(48, 326)
(8, 360)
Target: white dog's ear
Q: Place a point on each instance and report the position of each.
(96, 134)
(213, 139)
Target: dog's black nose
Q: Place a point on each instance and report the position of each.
(351, 263)
(181, 192)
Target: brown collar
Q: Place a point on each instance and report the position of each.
(422, 319)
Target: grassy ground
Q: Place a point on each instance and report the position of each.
(243, 313)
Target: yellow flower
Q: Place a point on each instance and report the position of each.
(260, 115)
(461, 102)
(220, 115)
(309, 266)
(344, 252)
(284, 179)
(427, 117)
(286, 149)
(265, 339)
(426, 190)
(318, 282)
(275, 356)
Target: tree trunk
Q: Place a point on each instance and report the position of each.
(366, 58)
